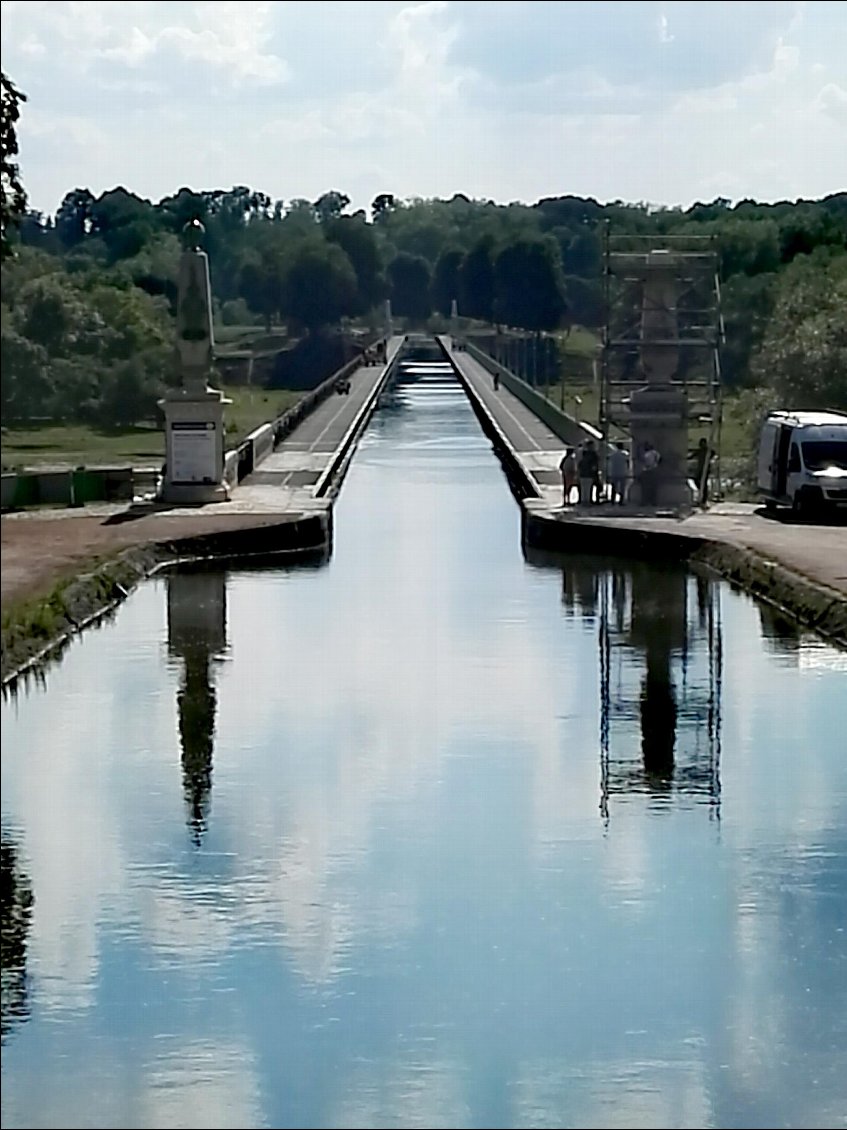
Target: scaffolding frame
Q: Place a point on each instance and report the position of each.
(700, 335)
(705, 704)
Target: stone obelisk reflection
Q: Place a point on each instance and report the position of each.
(658, 629)
(197, 636)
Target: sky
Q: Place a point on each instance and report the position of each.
(666, 103)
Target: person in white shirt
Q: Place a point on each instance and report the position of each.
(618, 469)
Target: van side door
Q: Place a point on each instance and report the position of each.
(783, 443)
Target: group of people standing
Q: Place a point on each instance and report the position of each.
(580, 468)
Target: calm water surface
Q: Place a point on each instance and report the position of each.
(431, 835)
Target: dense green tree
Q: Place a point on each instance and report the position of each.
(12, 192)
(130, 390)
(568, 212)
(184, 206)
(356, 237)
(476, 281)
(330, 205)
(66, 340)
(382, 205)
(749, 247)
(530, 286)
(410, 279)
(125, 222)
(804, 229)
(804, 352)
(156, 267)
(586, 305)
(51, 313)
(320, 285)
(445, 280)
(73, 219)
(27, 388)
(261, 285)
(747, 304)
(312, 264)
(583, 254)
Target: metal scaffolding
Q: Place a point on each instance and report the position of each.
(692, 326)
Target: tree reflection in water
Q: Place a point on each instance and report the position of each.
(17, 902)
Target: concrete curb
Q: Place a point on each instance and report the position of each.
(89, 598)
(814, 605)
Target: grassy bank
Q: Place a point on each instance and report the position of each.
(77, 445)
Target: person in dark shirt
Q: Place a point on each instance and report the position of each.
(588, 469)
(701, 458)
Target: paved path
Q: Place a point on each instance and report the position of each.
(539, 449)
(287, 478)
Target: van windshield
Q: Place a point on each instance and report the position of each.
(820, 454)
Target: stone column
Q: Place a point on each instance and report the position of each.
(659, 411)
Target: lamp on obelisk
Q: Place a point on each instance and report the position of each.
(194, 412)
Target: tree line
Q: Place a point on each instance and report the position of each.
(89, 293)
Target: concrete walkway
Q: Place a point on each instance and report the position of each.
(287, 479)
(537, 448)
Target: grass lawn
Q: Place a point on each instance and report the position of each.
(76, 445)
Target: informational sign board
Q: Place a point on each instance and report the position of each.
(193, 449)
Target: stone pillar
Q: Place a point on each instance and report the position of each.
(194, 423)
(659, 410)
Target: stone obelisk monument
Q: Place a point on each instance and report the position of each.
(194, 412)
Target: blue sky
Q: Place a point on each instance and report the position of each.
(661, 102)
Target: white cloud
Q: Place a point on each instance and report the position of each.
(832, 100)
(230, 36)
(664, 34)
(33, 47)
(424, 99)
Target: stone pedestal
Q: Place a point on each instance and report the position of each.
(194, 447)
(659, 416)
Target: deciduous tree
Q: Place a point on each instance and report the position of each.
(12, 192)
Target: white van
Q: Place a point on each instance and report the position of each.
(803, 460)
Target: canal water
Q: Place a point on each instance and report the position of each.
(430, 835)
